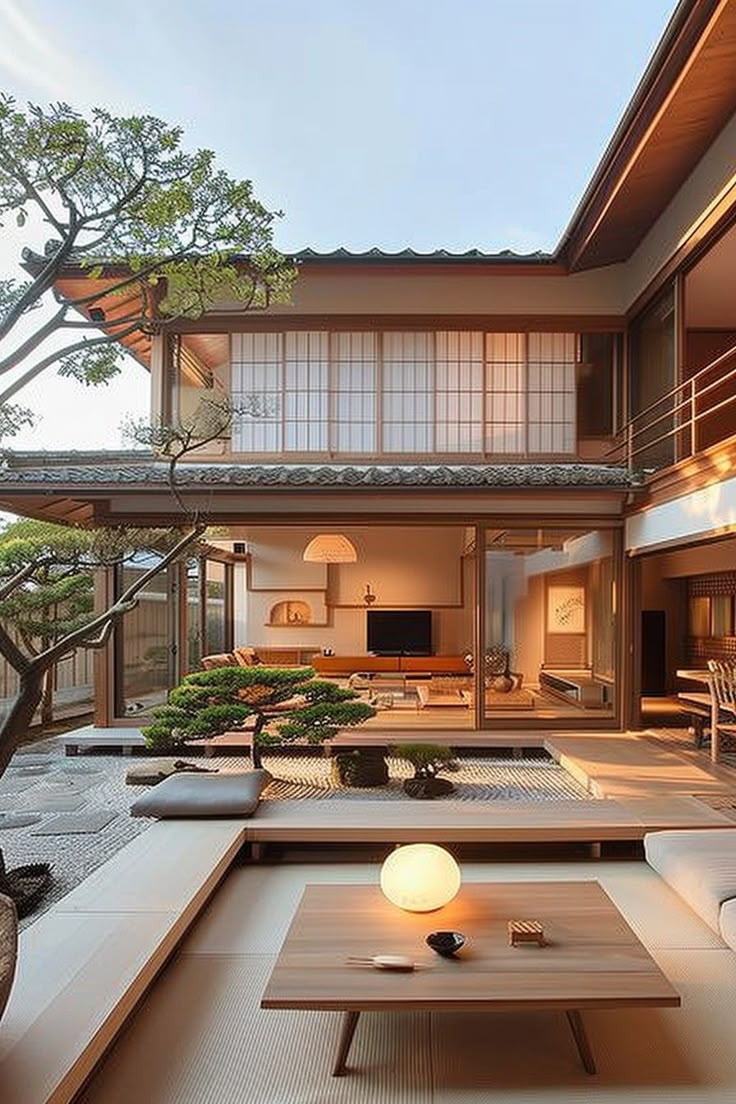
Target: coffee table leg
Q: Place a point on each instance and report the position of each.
(349, 1023)
(577, 1027)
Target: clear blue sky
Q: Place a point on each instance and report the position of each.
(428, 123)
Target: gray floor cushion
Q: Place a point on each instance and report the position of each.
(700, 865)
(204, 795)
(728, 923)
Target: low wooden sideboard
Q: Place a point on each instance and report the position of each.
(400, 665)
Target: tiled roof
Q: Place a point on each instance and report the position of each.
(129, 469)
(381, 256)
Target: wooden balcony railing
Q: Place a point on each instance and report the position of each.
(690, 417)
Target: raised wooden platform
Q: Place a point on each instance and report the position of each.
(89, 959)
(84, 964)
(492, 822)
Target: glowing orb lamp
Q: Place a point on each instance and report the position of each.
(420, 877)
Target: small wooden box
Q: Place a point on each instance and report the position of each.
(526, 931)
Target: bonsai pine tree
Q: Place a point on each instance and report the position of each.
(281, 703)
(427, 760)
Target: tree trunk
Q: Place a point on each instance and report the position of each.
(255, 754)
(47, 699)
(18, 719)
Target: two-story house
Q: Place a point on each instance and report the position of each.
(529, 459)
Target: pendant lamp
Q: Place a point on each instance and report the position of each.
(330, 548)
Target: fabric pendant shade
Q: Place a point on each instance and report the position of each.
(330, 548)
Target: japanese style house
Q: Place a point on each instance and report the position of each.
(537, 451)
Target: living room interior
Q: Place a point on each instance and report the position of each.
(550, 628)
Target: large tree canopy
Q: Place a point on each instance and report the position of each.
(164, 231)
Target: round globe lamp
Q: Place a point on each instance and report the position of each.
(420, 877)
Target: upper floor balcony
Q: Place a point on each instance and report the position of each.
(403, 396)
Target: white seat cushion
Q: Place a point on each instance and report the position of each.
(700, 865)
(728, 923)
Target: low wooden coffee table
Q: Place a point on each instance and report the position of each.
(592, 960)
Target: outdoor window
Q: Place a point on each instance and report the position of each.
(194, 614)
(144, 656)
(651, 379)
(217, 634)
(404, 393)
(598, 381)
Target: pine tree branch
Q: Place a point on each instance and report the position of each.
(52, 358)
(127, 601)
(31, 343)
(12, 653)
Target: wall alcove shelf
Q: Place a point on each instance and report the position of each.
(292, 614)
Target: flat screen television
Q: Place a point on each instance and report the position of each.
(400, 632)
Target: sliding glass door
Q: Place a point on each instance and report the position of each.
(549, 626)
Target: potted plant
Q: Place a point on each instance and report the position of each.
(428, 760)
(362, 767)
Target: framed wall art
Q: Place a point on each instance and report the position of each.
(565, 609)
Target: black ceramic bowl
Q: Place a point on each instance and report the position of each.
(445, 943)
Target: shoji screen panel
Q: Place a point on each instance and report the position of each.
(306, 391)
(408, 392)
(505, 399)
(459, 392)
(355, 400)
(257, 392)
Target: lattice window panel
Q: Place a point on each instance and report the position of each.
(257, 390)
(699, 649)
(565, 651)
(710, 586)
(458, 392)
(408, 392)
(411, 393)
(306, 392)
(355, 401)
(505, 393)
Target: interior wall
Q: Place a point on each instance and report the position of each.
(528, 657)
(406, 567)
(662, 588)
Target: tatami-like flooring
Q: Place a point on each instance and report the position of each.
(200, 1037)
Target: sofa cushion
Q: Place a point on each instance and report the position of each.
(699, 864)
(246, 657)
(728, 923)
(204, 795)
(220, 659)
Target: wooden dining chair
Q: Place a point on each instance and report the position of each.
(722, 684)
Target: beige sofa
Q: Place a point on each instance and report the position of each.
(239, 657)
(700, 865)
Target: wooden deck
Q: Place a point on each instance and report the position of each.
(640, 787)
(475, 822)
